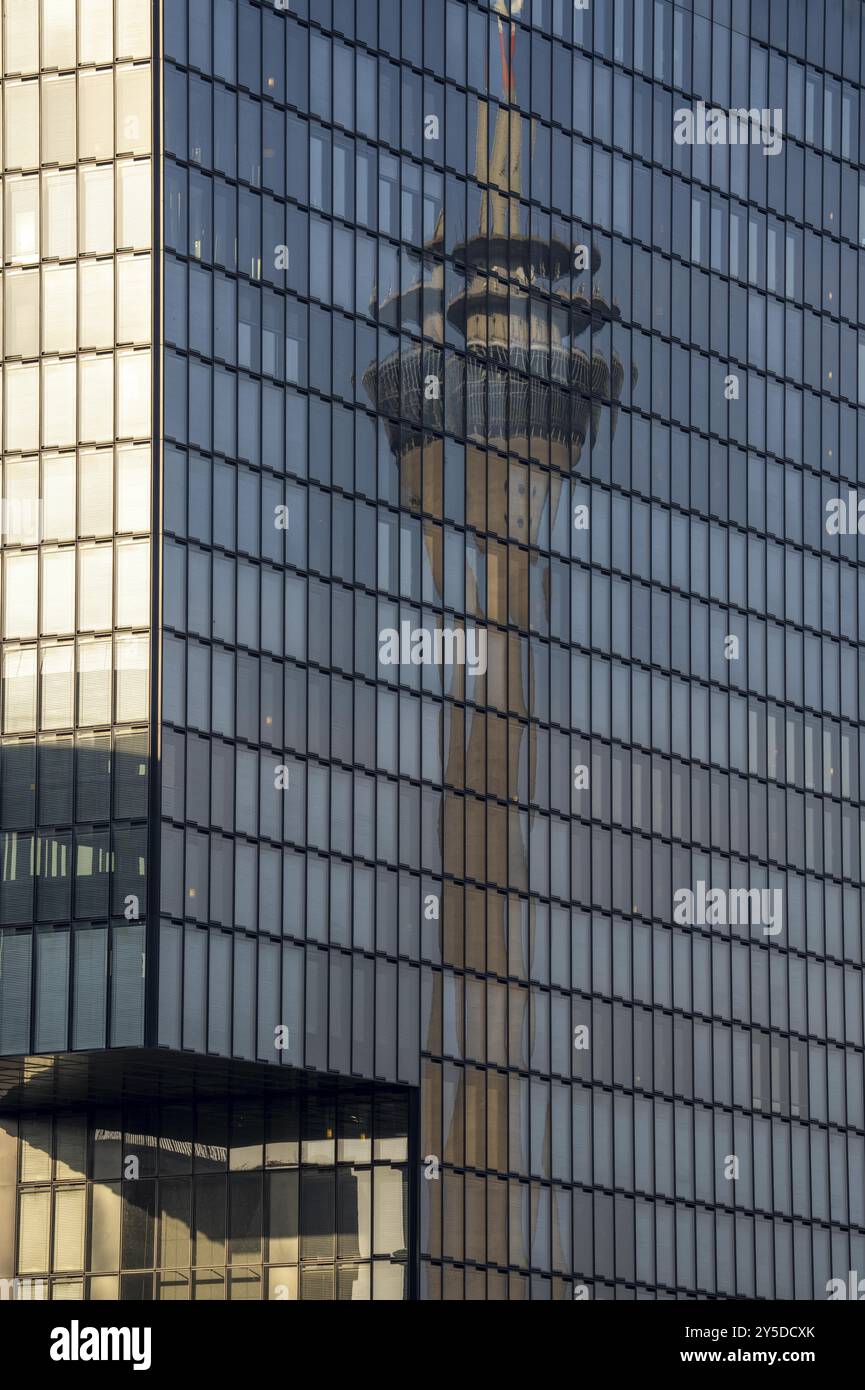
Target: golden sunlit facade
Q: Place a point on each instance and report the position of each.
(75, 594)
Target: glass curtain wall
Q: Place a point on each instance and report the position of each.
(75, 282)
(276, 1199)
(458, 342)
(446, 292)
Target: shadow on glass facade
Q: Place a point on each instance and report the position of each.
(276, 1198)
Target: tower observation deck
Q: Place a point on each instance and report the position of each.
(527, 309)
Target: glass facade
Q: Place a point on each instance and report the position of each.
(75, 522)
(504, 740)
(281, 1199)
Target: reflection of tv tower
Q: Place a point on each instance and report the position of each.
(558, 394)
(524, 379)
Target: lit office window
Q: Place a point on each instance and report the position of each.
(20, 595)
(59, 120)
(22, 219)
(133, 299)
(132, 29)
(58, 591)
(20, 36)
(21, 313)
(19, 689)
(134, 121)
(57, 692)
(134, 203)
(59, 215)
(96, 114)
(59, 403)
(96, 188)
(96, 294)
(96, 399)
(95, 492)
(21, 414)
(21, 501)
(58, 504)
(59, 308)
(21, 125)
(134, 417)
(95, 31)
(133, 583)
(132, 665)
(58, 33)
(94, 682)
